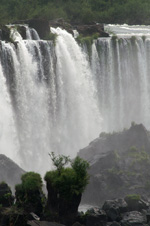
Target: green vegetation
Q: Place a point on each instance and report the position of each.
(87, 40)
(79, 11)
(133, 197)
(138, 156)
(68, 181)
(29, 192)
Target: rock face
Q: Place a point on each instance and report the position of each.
(120, 165)
(66, 209)
(10, 172)
(43, 27)
(87, 30)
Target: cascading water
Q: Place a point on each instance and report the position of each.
(52, 97)
(120, 66)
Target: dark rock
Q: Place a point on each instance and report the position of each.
(136, 204)
(96, 217)
(148, 217)
(88, 30)
(40, 25)
(62, 209)
(133, 218)
(5, 33)
(22, 31)
(43, 27)
(119, 204)
(62, 24)
(43, 223)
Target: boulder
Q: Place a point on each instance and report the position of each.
(96, 217)
(134, 202)
(118, 204)
(133, 218)
(88, 30)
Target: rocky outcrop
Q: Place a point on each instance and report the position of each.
(88, 30)
(117, 213)
(120, 165)
(10, 172)
(43, 27)
(62, 208)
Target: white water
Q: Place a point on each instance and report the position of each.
(78, 118)
(53, 99)
(8, 135)
(121, 72)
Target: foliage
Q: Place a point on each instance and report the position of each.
(31, 181)
(52, 37)
(68, 181)
(87, 41)
(29, 192)
(79, 11)
(133, 197)
(59, 161)
(138, 155)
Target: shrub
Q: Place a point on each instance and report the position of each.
(29, 192)
(65, 187)
(68, 181)
(133, 197)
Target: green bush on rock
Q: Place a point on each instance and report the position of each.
(65, 187)
(29, 193)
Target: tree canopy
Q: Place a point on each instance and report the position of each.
(79, 11)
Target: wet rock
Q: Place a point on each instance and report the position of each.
(96, 217)
(88, 30)
(133, 218)
(119, 204)
(135, 203)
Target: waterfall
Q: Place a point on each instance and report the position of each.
(120, 65)
(52, 97)
(57, 98)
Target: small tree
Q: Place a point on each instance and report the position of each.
(59, 161)
(65, 187)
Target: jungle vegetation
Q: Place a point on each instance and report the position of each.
(78, 11)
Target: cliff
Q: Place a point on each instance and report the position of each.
(120, 165)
